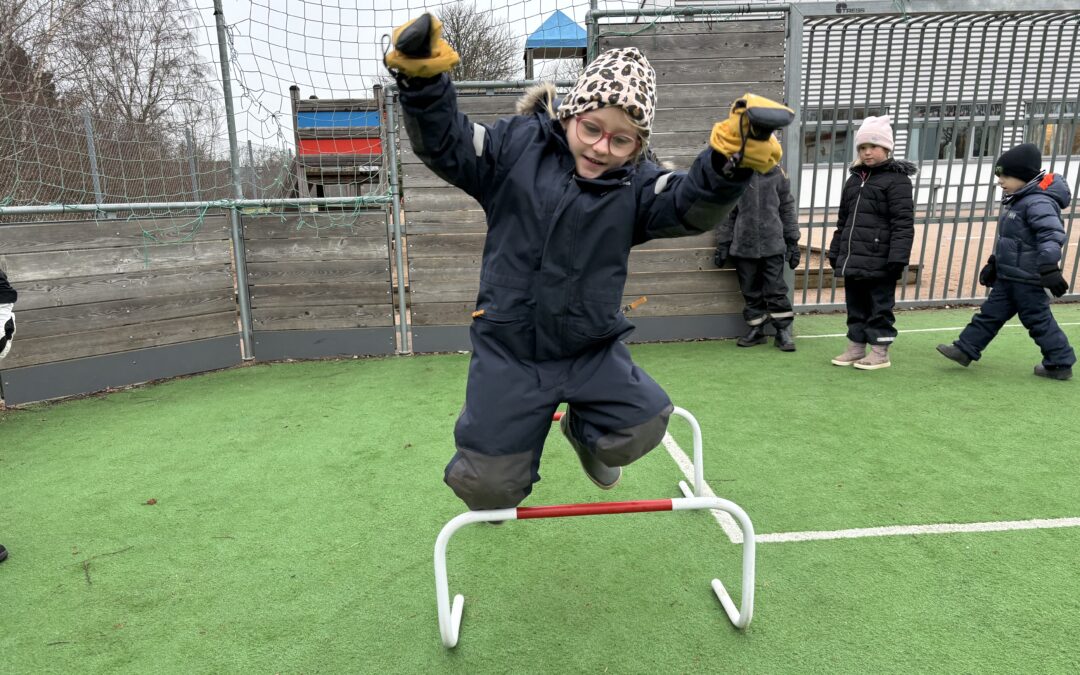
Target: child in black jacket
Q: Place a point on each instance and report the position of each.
(761, 236)
(872, 243)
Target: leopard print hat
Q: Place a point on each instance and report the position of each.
(619, 77)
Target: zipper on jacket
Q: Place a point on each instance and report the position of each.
(851, 230)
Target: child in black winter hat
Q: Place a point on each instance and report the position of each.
(1025, 261)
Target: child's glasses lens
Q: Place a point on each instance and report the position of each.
(591, 133)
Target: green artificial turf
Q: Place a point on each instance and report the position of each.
(296, 507)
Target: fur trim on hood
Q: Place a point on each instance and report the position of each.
(895, 165)
(538, 98)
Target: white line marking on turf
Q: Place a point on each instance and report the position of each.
(925, 330)
(731, 528)
(945, 528)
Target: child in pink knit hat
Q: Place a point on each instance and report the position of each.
(872, 243)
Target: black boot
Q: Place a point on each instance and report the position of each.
(784, 341)
(1054, 373)
(755, 336)
(954, 353)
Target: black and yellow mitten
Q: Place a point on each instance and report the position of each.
(419, 49)
(746, 136)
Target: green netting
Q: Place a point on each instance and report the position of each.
(121, 102)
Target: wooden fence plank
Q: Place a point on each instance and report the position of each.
(720, 25)
(301, 226)
(41, 293)
(323, 317)
(439, 199)
(662, 47)
(119, 260)
(55, 321)
(318, 271)
(705, 71)
(445, 245)
(451, 222)
(35, 351)
(105, 233)
(321, 248)
(304, 295)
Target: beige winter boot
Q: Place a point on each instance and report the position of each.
(855, 351)
(877, 358)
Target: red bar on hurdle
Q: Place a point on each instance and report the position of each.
(598, 509)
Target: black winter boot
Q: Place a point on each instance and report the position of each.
(1059, 373)
(784, 341)
(755, 336)
(954, 353)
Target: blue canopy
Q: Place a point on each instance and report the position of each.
(558, 32)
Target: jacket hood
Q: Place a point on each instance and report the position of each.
(893, 164)
(539, 98)
(1051, 184)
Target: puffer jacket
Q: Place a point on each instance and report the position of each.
(876, 222)
(1030, 231)
(7, 293)
(555, 257)
(764, 222)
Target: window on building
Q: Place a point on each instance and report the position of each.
(954, 131)
(829, 133)
(1055, 126)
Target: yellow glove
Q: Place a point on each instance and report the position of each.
(419, 49)
(746, 136)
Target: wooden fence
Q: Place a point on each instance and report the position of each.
(112, 302)
(109, 302)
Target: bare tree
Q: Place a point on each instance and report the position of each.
(137, 61)
(31, 34)
(487, 50)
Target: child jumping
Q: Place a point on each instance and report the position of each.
(872, 243)
(566, 195)
(760, 236)
(1030, 233)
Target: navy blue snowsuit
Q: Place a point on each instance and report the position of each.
(551, 286)
(1030, 234)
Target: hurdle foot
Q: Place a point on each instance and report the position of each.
(737, 619)
(451, 633)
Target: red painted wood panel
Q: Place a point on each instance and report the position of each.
(340, 146)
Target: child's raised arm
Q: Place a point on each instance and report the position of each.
(682, 203)
(459, 151)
